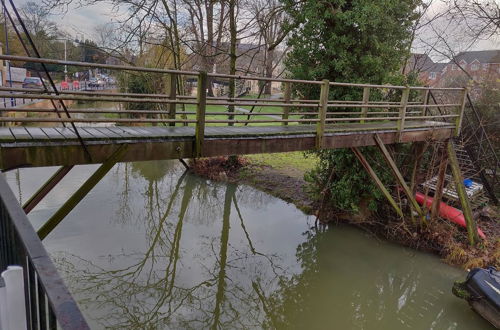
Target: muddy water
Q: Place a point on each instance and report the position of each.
(153, 248)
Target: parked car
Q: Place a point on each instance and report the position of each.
(95, 82)
(32, 82)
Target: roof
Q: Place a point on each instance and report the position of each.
(420, 62)
(483, 56)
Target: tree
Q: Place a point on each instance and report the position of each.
(271, 18)
(349, 41)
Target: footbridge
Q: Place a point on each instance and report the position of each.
(186, 121)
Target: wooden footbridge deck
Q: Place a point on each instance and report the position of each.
(35, 146)
(183, 123)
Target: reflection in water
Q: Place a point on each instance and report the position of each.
(155, 248)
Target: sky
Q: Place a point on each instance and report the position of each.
(83, 20)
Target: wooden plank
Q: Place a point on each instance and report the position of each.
(377, 181)
(323, 108)
(462, 195)
(366, 99)
(287, 97)
(402, 111)
(398, 176)
(109, 133)
(458, 123)
(53, 134)
(20, 134)
(201, 100)
(37, 134)
(68, 133)
(84, 189)
(84, 134)
(96, 134)
(6, 135)
(172, 95)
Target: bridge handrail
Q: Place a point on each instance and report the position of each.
(318, 112)
(20, 245)
(214, 75)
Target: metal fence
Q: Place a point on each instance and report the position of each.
(49, 304)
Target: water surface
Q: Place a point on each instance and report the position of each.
(154, 248)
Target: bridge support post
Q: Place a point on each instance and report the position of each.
(76, 198)
(399, 177)
(402, 112)
(323, 108)
(366, 99)
(462, 195)
(287, 94)
(172, 95)
(46, 188)
(201, 101)
(436, 202)
(377, 181)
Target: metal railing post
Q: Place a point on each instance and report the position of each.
(425, 101)
(366, 99)
(402, 111)
(172, 95)
(323, 108)
(458, 122)
(287, 94)
(201, 100)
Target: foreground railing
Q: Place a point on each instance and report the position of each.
(49, 304)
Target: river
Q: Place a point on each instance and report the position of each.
(154, 248)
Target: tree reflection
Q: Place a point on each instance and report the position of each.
(152, 288)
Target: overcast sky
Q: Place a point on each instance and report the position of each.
(77, 21)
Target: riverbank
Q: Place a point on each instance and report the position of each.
(282, 175)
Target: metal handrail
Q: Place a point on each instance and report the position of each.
(20, 245)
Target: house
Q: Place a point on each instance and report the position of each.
(480, 66)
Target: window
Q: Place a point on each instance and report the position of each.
(486, 66)
(432, 75)
(474, 67)
(454, 67)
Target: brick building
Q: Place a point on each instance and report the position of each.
(481, 66)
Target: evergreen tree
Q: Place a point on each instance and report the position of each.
(359, 41)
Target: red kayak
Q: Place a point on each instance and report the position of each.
(446, 211)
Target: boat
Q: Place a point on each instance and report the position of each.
(481, 289)
(446, 211)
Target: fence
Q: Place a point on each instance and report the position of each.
(49, 304)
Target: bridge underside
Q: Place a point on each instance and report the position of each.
(40, 146)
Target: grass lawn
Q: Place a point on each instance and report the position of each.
(285, 161)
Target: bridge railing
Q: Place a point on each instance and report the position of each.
(185, 103)
(49, 304)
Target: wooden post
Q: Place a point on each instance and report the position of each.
(323, 108)
(377, 181)
(402, 112)
(458, 123)
(287, 96)
(84, 189)
(366, 99)
(46, 188)
(172, 95)
(201, 100)
(398, 176)
(438, 194)
(462, 195)
(425, 101)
